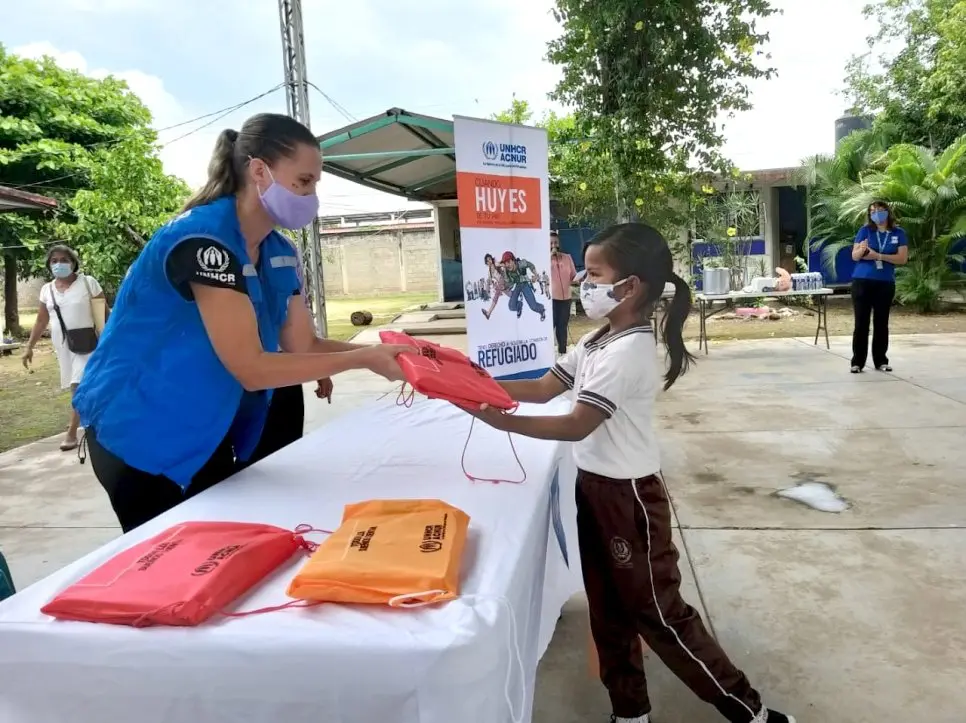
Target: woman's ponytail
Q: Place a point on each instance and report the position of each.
(672, 331)
(222, 173)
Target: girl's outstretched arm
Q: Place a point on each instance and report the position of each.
(535, 391)
(573, 427)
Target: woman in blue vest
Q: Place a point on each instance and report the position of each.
(179, 386)
(878, 248)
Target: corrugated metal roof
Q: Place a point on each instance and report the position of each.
(13, 199)
(398, 152)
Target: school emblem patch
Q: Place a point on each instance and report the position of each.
(620, 550)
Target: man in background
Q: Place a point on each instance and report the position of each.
(562, 273)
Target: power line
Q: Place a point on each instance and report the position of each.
(334, 103)
(222, 114)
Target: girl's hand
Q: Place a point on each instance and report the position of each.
(28, 357)
(492, 416)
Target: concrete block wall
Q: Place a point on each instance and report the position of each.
(359, 262)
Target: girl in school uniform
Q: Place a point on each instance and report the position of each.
(630, 564)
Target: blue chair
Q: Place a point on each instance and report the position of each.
(6, 579)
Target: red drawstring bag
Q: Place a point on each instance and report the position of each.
(181, 576)
(442, 373)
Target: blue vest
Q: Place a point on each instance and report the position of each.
(154, 391)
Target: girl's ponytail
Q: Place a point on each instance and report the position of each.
(672, 331)
(222, 174)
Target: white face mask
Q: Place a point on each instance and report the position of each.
(598, 299)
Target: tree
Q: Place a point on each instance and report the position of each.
(88, 143)
(927, 191)
(582, 178)
(648, 82)
(829, 179)
(579, 180)
(519, 112)
(920, 90)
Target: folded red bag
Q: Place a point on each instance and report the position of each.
(181, 576)
(442, 373)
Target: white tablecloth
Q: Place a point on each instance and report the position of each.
(334, 664)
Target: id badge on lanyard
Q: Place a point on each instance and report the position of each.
(878, 237)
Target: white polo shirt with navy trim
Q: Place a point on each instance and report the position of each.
(618, 375)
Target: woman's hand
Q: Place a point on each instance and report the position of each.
(324, 389)
(381, 359)
(28, 357)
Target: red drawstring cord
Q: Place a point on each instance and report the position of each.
(406, 400)
(304, 544)
(402, 400)
(516, 456)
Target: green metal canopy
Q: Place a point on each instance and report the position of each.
(397, 152)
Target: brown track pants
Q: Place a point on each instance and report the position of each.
(631, 576)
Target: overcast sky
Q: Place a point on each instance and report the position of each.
(186, 58)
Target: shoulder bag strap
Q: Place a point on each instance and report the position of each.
(60, 317)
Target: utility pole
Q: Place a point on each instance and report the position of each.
(297, 97)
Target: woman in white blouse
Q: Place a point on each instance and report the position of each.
(69, 304)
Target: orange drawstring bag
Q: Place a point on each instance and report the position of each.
(401, 553)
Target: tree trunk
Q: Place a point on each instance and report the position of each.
(11, 314)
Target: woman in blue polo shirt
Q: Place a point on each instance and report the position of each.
(878, 248)
(178, 389)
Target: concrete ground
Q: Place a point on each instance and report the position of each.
(838, 618)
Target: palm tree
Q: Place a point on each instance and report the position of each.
(928, 196)
(828, 178)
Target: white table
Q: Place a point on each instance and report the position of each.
(706, 308)
(332, 663)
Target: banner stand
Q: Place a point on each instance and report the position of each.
(503, 196)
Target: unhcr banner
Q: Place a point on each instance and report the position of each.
(504, 209)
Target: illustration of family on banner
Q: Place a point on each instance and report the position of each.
(503, 191)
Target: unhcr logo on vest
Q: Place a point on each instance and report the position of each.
(504, 155)
(213, 263)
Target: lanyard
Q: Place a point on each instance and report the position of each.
(881, 240)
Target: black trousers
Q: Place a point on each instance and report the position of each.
(871, 300)
(284, 425)
(138, 497)
(561, 320)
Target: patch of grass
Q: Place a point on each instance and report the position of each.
(382, 308)
(32, 405)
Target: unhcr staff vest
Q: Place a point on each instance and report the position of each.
(154, 391)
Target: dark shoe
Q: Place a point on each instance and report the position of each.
(883, 368)
(855, 369)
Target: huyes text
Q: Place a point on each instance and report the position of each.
(492, 198)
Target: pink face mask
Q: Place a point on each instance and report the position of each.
(288, 210)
